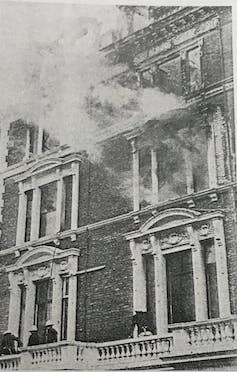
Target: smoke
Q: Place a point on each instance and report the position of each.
(51, 72)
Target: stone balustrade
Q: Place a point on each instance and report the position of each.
(134, 349)
(10, 362)
(192, 340)
(205, 336)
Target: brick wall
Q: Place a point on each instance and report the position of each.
(9, 214)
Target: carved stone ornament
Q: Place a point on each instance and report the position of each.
(64, 266)
(41, 272)
(146, 246)
(204, 230)
(19, 276)
(173, 239)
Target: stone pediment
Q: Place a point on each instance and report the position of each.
(42, 254)
(169, 218)
(45, 164)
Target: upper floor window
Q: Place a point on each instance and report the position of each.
(48, 203)
(48, 209)
(179, 74)
(193, 66)
(180, 287)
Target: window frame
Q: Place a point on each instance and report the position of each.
(36, 180)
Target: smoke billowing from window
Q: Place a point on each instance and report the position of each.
(51, 71)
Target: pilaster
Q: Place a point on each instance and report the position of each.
(139, 279)
(154, 176)
(21, 219)
(35, 217)
(160, 287)
(75, 196)
(199, 277)
(136, 191)
(72, 298)
(221, 268)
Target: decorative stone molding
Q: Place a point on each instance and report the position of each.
(37, 264)
(205, 230)
(173, 238)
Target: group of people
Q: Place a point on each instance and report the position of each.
(51, 335)
(10, 343)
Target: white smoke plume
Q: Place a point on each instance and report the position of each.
(51, 64)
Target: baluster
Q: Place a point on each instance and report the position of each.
(144, 348)
(116, 352)
(131, 350)
(191, 335)
(229, 331)
(218, 332)
(222, 331)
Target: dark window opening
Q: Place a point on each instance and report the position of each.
(64, 315)
(67, 203)
(29, 198)
(32, 140)
(193, 66)
(48, 209)
(48, 142)
(43, 306)
(211, 280)
(150, 293)
(180, 287)
(22, 312)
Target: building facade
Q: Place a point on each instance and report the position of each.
(146, 235)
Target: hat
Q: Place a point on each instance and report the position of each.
(33, 328)
(6, 332)
(49, 323)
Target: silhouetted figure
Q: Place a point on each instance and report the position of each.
(34, 337)
(51, 333)
(8, 345)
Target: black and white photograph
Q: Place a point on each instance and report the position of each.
(118, 218)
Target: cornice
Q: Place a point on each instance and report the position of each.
(160, 31)
(135, 215)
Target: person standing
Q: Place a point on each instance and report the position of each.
(51, 333)
(8, 345)
(34, 337)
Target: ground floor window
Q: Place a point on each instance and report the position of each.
(211, 279)
(64, 316)
(180, 287)
(43, 306)
(22, 311)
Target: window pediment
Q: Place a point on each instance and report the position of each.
(42, 254)
(169, 218)
(44, 165)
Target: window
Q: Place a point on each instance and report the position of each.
(48, 142)
(22, 311)
(67, 203)
(43, 305)
(169, 77)
(32, 140)
(48, 209)
(64, 316)
(211, 280)
(29, 198)
(180, 287)
(194, 68)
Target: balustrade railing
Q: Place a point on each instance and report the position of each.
(10, 362)
(147, 347)
(186, 339)
(209, 335)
